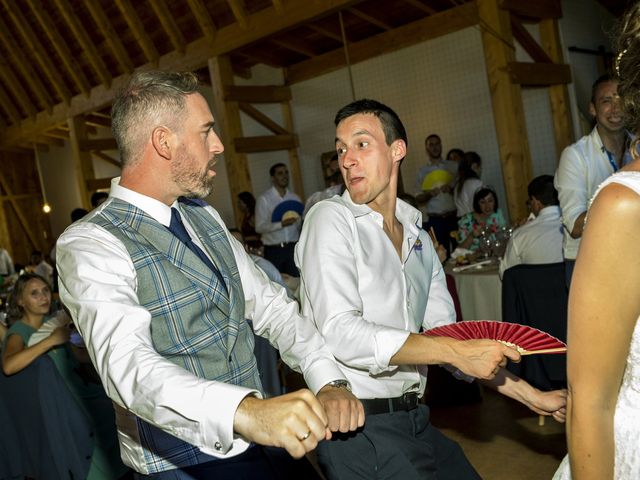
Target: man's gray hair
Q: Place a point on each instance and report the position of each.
(149, 100)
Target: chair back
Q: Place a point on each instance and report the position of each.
(537, 296)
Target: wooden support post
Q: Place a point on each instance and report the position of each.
(83, 164)
(294, 158)
(508, 108)
(558, 94)
(227, 115)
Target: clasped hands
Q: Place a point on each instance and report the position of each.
(298, 421)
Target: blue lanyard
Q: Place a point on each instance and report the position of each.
(611, 161)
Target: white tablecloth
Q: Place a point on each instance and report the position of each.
(480, 293)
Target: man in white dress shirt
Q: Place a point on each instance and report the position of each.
(279, 238)
(539, 240)
(588, 162)
(371, 280)
(160, 292)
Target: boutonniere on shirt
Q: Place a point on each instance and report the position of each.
(418, 245)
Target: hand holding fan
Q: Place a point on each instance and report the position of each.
(436, 178)
(526, 340)
(287, 209)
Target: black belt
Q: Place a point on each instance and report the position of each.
(405, 403)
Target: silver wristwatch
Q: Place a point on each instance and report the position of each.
(340, 384)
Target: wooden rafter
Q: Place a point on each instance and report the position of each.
(61, 135)
(24, 223)
(109, 33)
(169, 25)
(232, 37)
(326, 32)
(141, 36)
(38, 50)
(421, 6)
(531, 46)
(540, 9)
(25, 68)
(370, 19)
(8, 106)
(262, 119)
(97, 144)
(277, 4)
(204, 19)
(257, 94)
(60, 46)
(240, 14)
(106, 158)
(84, 40)
(433, 26)
(14, 85)
(297, 46)
(97, 120)
(539, 74)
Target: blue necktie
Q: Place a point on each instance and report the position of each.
(177, 228)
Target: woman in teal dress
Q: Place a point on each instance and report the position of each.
(29, 306)
(485, 220)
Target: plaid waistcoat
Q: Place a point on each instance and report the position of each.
(195, 323)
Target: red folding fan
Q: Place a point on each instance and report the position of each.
(527, 340)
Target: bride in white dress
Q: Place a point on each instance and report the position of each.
(603, 409)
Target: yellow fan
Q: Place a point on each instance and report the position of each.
(436, 178)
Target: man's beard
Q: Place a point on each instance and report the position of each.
(193, 183)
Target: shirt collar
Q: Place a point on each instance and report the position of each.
(549, 211)
(405, 213)
(154, 208)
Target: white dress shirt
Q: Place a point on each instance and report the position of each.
(583, 166)
(98, 284)
(536, 242)
(364, 299)
(6, 263)
(273, 233)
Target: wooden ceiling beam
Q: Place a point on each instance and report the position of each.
(421, 6)
(204, 19)
(277, 4)
(540, 9)
(539, 74)
(262, 119)
(22, 219)
(60, 46)
(169, 25)
(326, 32)
(298, 47)
(28, 75)
(232, 37)
(85, 41)
(97, 144)
(526, 40)
(112, 37)
(8, 106)
(257, 94)
(239, 12)
(139, 33)
(97, 120)
(56, 134)
(106, 158)
(433, 26)
(370, 19)
(40, 54)
(13, 84)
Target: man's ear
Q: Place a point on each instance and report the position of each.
(592, 110)
(398, 150)
(161, 141)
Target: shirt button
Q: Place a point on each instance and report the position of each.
(217, 446)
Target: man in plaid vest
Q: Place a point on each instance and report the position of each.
(160, 292)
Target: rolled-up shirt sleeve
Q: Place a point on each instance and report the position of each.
(330, 292)
(98, 285)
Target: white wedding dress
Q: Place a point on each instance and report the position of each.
(627, 416)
